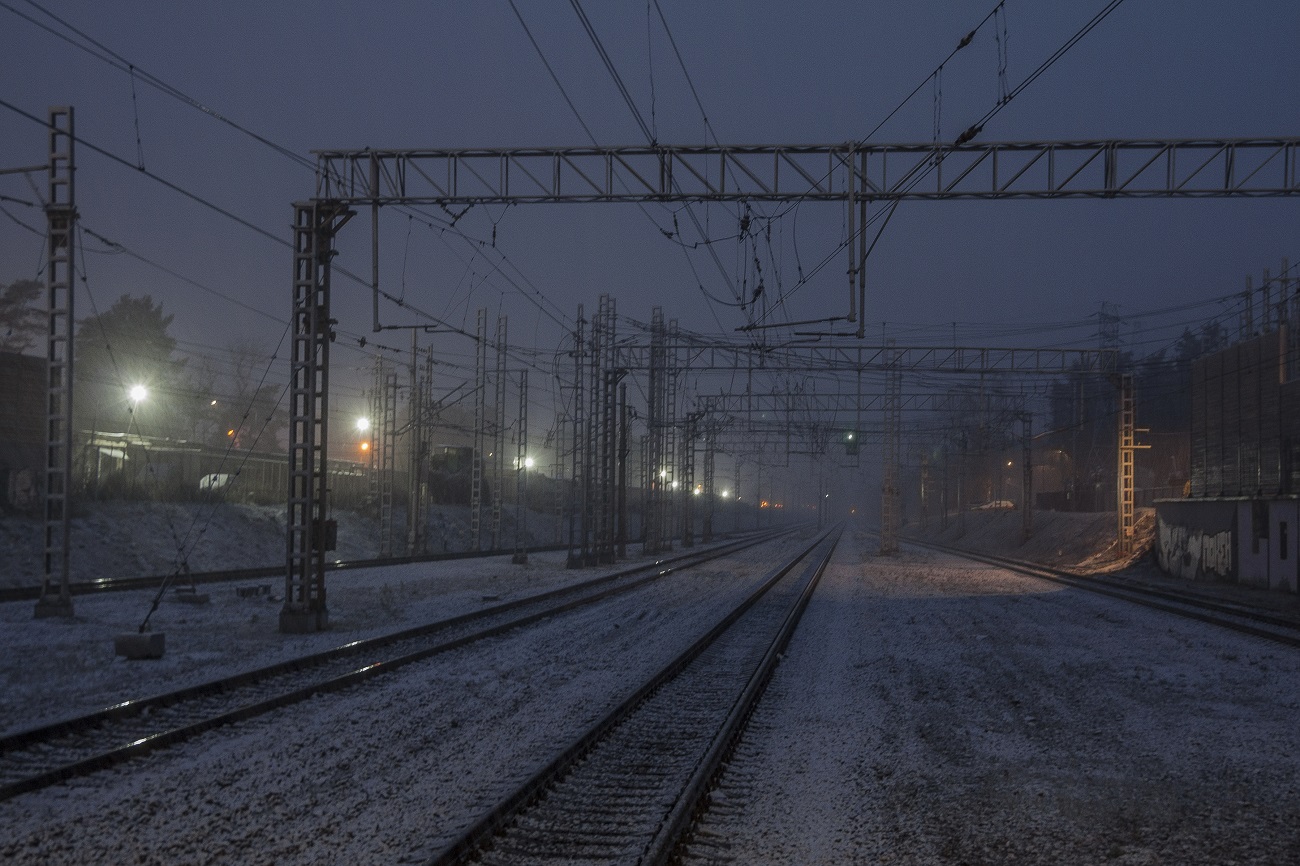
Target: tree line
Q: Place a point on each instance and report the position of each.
(128, 345)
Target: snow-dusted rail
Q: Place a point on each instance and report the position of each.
(1268, 624)
(44, 756)
(628, 789)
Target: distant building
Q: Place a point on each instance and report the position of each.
(1240, 519)
(22, 430)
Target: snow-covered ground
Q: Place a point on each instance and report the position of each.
(928, 711)
(937, 711)
(139, 539)
(378, 774)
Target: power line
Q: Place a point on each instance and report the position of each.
(613, 72)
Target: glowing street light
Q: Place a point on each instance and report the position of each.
(529, 463)
(138, 393)
(363, 424)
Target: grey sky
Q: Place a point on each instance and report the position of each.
(441, 74)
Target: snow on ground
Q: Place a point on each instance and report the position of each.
(928, 711)
(933, 711)
(57, 668)
(386, 772)
(139, 539)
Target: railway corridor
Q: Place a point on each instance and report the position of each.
(928, 710)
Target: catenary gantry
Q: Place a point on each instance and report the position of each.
(854, 173)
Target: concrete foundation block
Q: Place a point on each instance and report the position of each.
(134, 645)
(253, 591)
(303, 621)
(53, 606)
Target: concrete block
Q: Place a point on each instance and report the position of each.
(134, 645)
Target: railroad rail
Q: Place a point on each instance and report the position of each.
(1259, 622)
(47, 755)
(628, 789)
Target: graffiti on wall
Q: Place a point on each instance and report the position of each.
(1194, 553)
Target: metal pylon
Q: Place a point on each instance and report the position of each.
(310, 532)
(671, 488)
(687, 479)
(1127, 447)
(1027, 474)
(417, 539)
(499, 434)
(386, 442)
(521, 475)
(577, 496)
(480, 421)
(61, 221)
(889, 516)
(658, 453)
(709, 493)
(608, 426)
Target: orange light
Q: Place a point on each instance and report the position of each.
(230, 432)
(764, 504)
(365, 446)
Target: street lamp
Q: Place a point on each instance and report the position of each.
(137, 393)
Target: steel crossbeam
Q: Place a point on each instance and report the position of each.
(1114, 168)
(823, 404)
(696, 354)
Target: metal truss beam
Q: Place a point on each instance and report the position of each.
(834, 404)
(697, 355)
(1116, 168)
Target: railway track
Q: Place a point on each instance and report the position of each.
(628, 789)
(1261, 623)
(37, 758)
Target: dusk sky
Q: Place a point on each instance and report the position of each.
(408, 75)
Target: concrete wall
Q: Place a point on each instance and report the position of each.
(1195, 539)
(1250, 541)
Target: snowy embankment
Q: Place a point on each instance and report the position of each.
(142, 539)
(1085, 540)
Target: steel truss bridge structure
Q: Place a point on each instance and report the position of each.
(854, 174)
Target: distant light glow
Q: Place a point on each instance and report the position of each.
(363, 424)
(528, 462)
(725, 494)
(138, 393)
